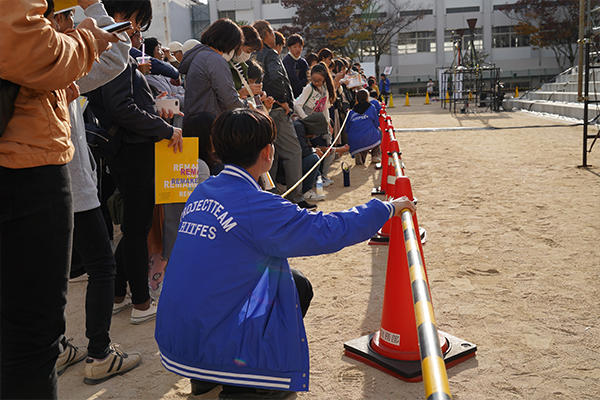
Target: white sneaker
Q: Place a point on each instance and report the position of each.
(139, 316)
(327, 181)
(118, 307)
(311, 195)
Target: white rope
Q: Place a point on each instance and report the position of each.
(320, 159)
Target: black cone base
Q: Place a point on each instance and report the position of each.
(379, 240)
(458, 351)
(377, 191)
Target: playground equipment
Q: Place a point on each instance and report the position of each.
(408, 344)
(469, 84)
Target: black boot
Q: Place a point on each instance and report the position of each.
(200, 387)
(245, 393)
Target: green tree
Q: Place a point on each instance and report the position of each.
(550, 24)
(323, 23)
(376, 25)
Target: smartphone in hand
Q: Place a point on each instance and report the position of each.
(118, 27)
(166, 104)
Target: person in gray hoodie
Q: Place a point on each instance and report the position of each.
(209, 84)
(91, 243)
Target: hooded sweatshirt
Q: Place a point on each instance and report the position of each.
(209, 84)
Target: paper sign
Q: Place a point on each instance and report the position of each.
(176, 174)
(387, 70)
(60, 5)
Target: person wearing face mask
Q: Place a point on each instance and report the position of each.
(209, 83)
(295, 65)
(239, 66)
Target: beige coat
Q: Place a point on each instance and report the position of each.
(44, 62)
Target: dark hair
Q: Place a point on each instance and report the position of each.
(295, 39)
(320, 68)
(130, 7)
(198, 125)
(311, 57)
(150, 44)
(239, 135)
(255, 71)
(373, 94)
(338, 65)
(223, 35)
(325, 53)
(279, 38)
(49, 9)
(362, 101)
(252, 38)
(262, 27)
(382, 75)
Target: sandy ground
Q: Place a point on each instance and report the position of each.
(513, 260)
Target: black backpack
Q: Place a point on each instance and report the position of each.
(8, 95)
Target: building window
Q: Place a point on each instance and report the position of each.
(270, 1)
(450, 36)
(507, 36)
(416, 42)
(411, 13)
(456, 10)
(227, 14)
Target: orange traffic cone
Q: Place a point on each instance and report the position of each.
(427, 98)
(394, 349)
(385, 140)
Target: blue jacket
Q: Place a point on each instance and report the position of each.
(384, 86)
(363, 130)
(229, 311)
(377, 105)
(158, 67)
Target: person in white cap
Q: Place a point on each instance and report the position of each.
(176, 49)
(188, 45)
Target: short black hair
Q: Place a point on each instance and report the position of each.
(150, 44)
(130, 7)
(255, 71)
(252, 38)
(325, 53)
(49, 9)
(239, 136)
(362, 96)
(295, 39)
(311, 57)
(223, 35)
(373, 94)
(279, 38)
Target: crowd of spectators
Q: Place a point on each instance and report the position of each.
(80, 123)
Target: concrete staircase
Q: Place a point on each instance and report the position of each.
(559, 97)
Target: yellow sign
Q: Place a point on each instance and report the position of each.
(60, 5)
(176, 174)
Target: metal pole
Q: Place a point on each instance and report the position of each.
(435, 377)
(580, 47)
(586, 103)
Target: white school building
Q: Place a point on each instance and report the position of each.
(415, 53)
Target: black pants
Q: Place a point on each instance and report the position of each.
(133, 170)
(305, 290)
(36, 228)
(92, 247)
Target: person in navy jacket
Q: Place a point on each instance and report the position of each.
(363, 130)
(231, 310)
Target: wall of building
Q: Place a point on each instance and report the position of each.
(446, 15)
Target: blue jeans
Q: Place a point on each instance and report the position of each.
(307, 163)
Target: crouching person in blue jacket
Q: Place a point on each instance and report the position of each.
(231, 309)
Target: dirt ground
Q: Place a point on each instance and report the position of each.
(513, 260)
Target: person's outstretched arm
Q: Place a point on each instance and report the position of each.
(284, 230)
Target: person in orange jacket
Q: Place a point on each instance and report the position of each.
(36, 215)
